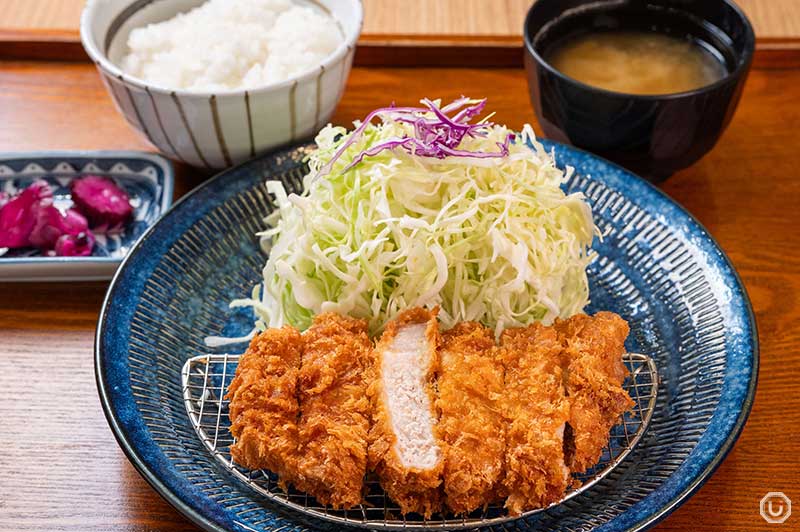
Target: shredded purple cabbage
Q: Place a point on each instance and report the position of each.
(438, 136)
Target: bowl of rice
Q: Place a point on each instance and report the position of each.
(213, 83)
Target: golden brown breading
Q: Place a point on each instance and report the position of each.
(263, 403)
(300, 406)
(414, 489)
(335, 410)
(471, 422)
(537, 411)
(593, 353)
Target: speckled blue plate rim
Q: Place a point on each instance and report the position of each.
(163, 164)
(111, 344)
(738, 391)
(112, 374)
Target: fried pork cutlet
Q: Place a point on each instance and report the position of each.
(537, 411)
(595, 372)
(335, 410)
(471, 423)
(263, 403)
(403, 449)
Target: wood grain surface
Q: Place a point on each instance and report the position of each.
(60, 467)
(417, 19)
(437, 33)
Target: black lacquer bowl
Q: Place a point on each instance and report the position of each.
(653, 135)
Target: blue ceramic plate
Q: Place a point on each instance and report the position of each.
(146, 177)
(656, 266)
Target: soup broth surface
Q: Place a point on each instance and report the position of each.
(636, 62)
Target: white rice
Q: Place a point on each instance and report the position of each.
(232, 44)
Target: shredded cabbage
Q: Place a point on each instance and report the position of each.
(380, 227)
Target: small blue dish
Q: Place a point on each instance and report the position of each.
(147, 178)
(656, 266)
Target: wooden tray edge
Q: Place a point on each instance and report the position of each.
(378, 50)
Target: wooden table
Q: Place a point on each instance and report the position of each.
(484, 20)
(60, 467)
(490, 31)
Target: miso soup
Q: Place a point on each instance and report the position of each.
(636, 62)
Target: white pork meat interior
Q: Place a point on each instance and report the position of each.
(405, 366)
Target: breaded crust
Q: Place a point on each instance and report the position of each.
(471, 422)
(536, 411)
(300, 406)
(413, 489)
(335, 410)
(593, 348)
(600, 339)
(263, 403)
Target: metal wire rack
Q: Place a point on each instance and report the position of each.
(205, 380)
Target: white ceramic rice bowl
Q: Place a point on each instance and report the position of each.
(216, 129)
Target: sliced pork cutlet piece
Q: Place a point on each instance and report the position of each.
(263, 403)
(335, 410)
(404, 450)
(471, 422)
(593, 356)
(537, 411)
